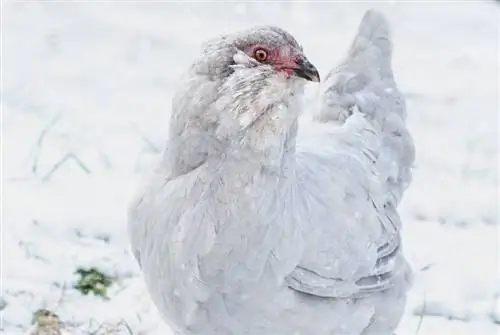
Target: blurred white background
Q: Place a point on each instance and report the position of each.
(86, 96)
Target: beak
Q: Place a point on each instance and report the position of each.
(306, 70)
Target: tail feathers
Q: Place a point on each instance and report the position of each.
(366, 69)
(364, 83)
(372, 47)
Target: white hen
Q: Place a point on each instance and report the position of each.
(254, 223)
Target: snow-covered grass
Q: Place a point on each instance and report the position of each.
(86, 97)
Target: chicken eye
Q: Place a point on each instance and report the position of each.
(260, 55)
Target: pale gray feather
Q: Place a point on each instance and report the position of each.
(256, 223)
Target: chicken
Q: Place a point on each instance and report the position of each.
(257, 223)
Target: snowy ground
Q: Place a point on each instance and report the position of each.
(86, 97)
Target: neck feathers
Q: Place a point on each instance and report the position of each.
(244, 120)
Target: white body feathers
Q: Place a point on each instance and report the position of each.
(292, 227)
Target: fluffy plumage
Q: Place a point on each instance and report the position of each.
(256, 223)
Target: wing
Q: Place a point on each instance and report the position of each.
(353, 164)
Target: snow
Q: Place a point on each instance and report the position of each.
(86, 95)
